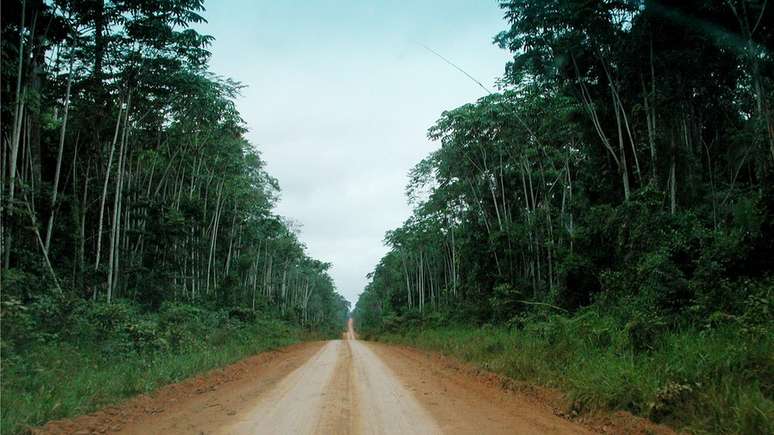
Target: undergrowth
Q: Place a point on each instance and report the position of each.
(60, 361)
(701, 380)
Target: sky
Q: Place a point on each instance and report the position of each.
(339, 96)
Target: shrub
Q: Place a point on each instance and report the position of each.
(242, 314)
(643, 331)
(579, 282)
(17, 321)
(670, 399)
(146, 337)
(661, 282)
(54, 313)
(105, 320)
(135, 353)
(758, 315)
(714, 380)
(505, 302)
(392, 323)
(21, 284)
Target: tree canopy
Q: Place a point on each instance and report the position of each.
(126, 173)
(626, 159)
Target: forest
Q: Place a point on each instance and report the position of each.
(603, 221)
(138, 224)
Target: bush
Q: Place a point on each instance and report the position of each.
(102, 321)
(55, 313)
(661, 282)
(392, 323)
(17, 321)
(579, 282)
(505, 302)
(597, 331)
(643, 331)
(172, 314)
(670, 399)
(182, 325)
(241, 314)
(114, 351)
(21, 284)
(146, 336)
(758, 314)
(705, 380)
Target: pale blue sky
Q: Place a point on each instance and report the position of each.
(339, 98)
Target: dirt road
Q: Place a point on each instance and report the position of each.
(337, 387)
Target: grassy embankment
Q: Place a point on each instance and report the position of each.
(717, 380)
(99, 354)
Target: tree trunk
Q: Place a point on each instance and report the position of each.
(117, 206)
(105, 187)
(62, 133)
(15, 137)
(673, 176)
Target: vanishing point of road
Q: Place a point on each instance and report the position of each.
(336, 387)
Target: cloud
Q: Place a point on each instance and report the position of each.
(339, 100)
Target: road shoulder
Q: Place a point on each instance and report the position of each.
(199, 404)
(448, 388)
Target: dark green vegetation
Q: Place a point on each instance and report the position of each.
(609, 213)
(703, 380)
(138, 239)
(80, 356)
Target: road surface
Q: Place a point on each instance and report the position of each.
(342, 386)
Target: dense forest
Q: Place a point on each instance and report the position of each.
(136, 218)
(604, 221)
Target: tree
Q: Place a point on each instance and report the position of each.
(623, 138)
(126, 174)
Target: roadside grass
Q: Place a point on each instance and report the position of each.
(718, 380)
(53, 380)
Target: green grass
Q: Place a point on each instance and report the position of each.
(53, 380)
(708, 381)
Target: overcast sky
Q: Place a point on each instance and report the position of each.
(338, 101)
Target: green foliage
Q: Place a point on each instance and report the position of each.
(156, 253)
(107, 352)
(164, 198)
(643, 331)
(669, 399)
(18, 323)
(505, 302)
(621, 168)
(597, 175)
(704, 381)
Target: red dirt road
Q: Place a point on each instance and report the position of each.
(336, 387)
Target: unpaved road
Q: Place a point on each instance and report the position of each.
(344, 388)
(337, 387)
